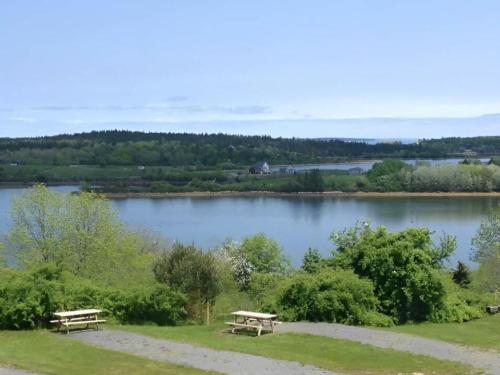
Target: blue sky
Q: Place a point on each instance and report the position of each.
(316, 68)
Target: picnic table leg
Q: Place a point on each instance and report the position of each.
(245, 321)
(259, 330)
(233, 330)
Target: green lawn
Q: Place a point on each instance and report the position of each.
(328, 353)
(51, 353)
(483, 332)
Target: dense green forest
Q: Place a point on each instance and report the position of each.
(218, 150)
(122, 161)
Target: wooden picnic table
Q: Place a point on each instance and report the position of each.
(253, 320)
(78, 317)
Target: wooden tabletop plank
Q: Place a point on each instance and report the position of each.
(68, 314)
(255, 315)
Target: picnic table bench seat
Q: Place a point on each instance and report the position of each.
(83, 322)
(493, 309)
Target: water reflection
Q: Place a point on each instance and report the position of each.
(295, 222)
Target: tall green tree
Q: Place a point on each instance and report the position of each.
(487, 277)
(191, 271)
(461, 275)
(264, 254)
(486, 242)
(80, 232)
(312, 261)
(486, 251)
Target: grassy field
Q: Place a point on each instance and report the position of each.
(50, 353)
(328, 353)
(483, 333)
(61, 173)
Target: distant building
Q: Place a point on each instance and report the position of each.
(260, 168)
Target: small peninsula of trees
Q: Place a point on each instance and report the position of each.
(70, 251)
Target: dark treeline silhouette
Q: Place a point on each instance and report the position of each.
(118, 147)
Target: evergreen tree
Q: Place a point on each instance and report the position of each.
(461, 275)
(312, 261)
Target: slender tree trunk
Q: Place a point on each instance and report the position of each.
(208, 313)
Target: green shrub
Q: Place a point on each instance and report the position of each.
(333, 296)
(386, 175)
(28, 299)
(160, 305)
(264, 290)
(459, 305)
(403, 266)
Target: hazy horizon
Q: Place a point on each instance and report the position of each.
(356, 128)
(356, 69)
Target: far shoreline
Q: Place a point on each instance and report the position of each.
(263, 193)
(208, 194)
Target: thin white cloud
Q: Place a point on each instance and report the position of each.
(166, 106)
(29, 120)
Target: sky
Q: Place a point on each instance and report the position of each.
(315, 68)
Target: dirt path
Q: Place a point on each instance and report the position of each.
(487, 360)
(203, 358)
(14, 371)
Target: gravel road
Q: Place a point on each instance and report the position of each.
(487, 360)
(14, 371)
(203, 358)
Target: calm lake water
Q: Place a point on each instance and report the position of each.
(295, 222)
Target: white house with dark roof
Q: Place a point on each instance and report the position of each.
(260, 168)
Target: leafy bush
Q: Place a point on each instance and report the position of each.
(403, 267)
(264, 290)
(160, 305)
(386, 175)
(27, 301)
(459, 305)
(332, 296)
(29, 298)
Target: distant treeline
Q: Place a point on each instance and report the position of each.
(218, 150)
